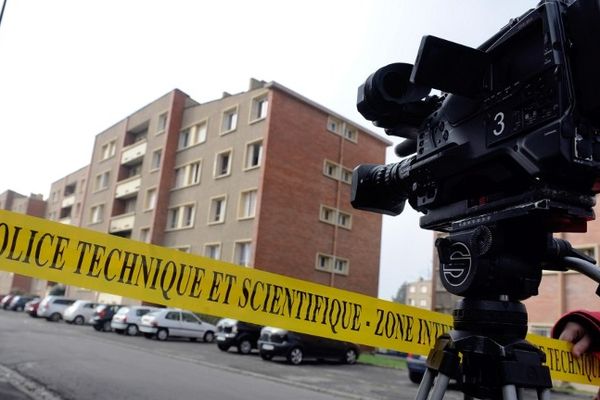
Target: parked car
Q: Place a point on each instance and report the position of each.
(6, 301)
(234, 333)
(18, 302)
(417, 366)
(296, 347)
(80, 312)
(32, 307)
(167, 322)
(52, 307)
(128, 319)
(102, 316)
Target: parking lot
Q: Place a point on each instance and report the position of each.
(77, 362)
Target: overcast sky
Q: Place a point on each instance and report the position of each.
(70, 69)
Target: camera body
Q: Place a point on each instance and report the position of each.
(517, 123)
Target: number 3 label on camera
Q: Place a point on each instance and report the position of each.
(502, 124)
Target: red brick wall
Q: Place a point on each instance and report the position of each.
(289, 234)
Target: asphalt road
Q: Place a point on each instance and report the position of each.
(76, 362)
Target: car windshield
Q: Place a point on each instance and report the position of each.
(123, 310)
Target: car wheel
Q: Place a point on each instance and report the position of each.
(148, 335)
(162, 334)
(208, 337)
(350, 356)
(415, 377)
(106, 326)
(266, 356)
(97, 327)
(295, 356)
(79, 320)
(245, 347)
(55, 317)
(223, 347)
(132, 330)
(19, 309)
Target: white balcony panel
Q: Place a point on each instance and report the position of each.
(119, 224)
(128, 188)
(133, 152)
(66, 221)
(68, 201)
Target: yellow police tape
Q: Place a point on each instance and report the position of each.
(62, 253)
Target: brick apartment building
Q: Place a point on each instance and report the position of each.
(34, 205)
(260, 178)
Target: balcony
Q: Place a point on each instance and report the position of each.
(133, 153)
(128, 188)
(66, 221)
(68, 201)
(122, 223)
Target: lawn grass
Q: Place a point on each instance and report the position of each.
(381, 360)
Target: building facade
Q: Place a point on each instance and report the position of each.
(33, 205)
(419, 293)
(261, 179)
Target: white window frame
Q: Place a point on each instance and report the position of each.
(259, 108)
(223, 214)
(153, 167)
(226, 125)
(236, 245)
(250, 152)
(100, 180)
(331, 264)
(217, 245)
(149, 203)
(144, 235)
(247, 211)
(99, 218)
(180, 216)
(108, 150)
(191, 174)
(196, 135)
(331, 215)
(217, 163)
(164, 116)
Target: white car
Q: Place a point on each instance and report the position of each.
(52, 307)
(128, 319)
(168, 322)
(80, 312)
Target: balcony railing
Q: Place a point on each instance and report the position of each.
(122, 223)
(128, 188)
(134, 152)
(68, 201)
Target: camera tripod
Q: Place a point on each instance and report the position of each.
(494, 267)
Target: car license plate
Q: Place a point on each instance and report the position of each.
(220, 339)
(267, 347)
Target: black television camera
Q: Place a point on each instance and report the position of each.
(505, 155)
(514, 134)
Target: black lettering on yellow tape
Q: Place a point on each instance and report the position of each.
(80, 257)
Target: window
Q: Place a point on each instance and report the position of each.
(101, 181)
(213, 250)
(260, 108)
(333, 125)
(350, 133)
(541, 330)
(162, 123)
(187, 317)
(216, 213)
(334, 216)
(173, 316)
(243, 252)
(181, 217)
(150, 200)
(108, 150)
(229, 122)
(192, 135)
(589, 251)
(331, 170)
(97, 214)
(188, 175)
(223, 164)
(129, 205)
(346, 175)
(247, 204)
(423, 303)
(145, 235)
(156, 158)
(329, 263)
(253, 155)
(423, 289)
(412, 289)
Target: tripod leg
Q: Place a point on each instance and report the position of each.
(520, 393)
(509, 392)
(425, 386)
(441, 384)
(543, 394)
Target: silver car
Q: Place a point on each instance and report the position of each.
(168, 322)
(80, 312)
(128, 319)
